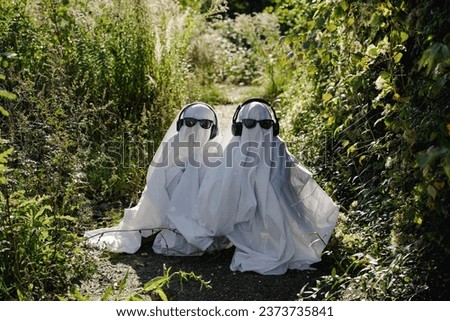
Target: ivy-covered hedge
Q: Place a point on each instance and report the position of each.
(368, 109)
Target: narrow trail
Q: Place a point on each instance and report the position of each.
(224, 114)
(144, 265)
(235, 95)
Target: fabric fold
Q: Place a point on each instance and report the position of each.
(173, 180)
(265, 202)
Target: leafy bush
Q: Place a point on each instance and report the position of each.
(39, 255)
(97, 84)
(86, 73)
(367, 109)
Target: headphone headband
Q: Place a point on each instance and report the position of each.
(214, 128)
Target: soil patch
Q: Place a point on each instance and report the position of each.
(226, 284)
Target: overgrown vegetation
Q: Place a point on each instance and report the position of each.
(96, 83)
(368, 109)
(88, 88)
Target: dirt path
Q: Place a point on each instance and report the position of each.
(235, 95)
(226, 285)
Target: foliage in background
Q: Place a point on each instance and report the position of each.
(229, 8)
(244, 50)
(97, 84)
(39, 255)
(368, 109)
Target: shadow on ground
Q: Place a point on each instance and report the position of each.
(226, 284)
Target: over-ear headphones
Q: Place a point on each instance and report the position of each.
(214, 128)
(236, 127)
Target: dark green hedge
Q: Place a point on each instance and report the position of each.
(368, 109)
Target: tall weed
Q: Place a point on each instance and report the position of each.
(97, 85)
(39, 255)
(366, 111)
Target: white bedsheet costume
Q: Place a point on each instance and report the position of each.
(173, 180)
(264, 201)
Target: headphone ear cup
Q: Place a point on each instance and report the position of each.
(276, 129)
(236, 129)
(213, 132)
(179, 124)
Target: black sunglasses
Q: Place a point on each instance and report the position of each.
(250, 123)
(204, 123)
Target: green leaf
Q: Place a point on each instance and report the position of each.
(361, 159)
(42, 210)
(331, 120)
(331, 27)
(352, 148)
(418, 220)
(4, 155)
(135, 297)
(404, 36)
(7, 95)
(437, 53)
(372, 50)
(161, 294)
(386, 75)
(123, 283)
(432, 191)
(344, 5)
(4, 112)
(333, 272)
(447, 170)
(76, 294)
(109, 291)
(67, 218)
(311, 69)
(156, 283)
(355, 82)
(326, 97)
(376, 21)
(398, 56)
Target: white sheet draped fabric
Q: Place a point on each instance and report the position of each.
(255, 194)
(173, 180)
(264, 201)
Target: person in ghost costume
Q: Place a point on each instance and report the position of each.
(263, 200)
(173, 180)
